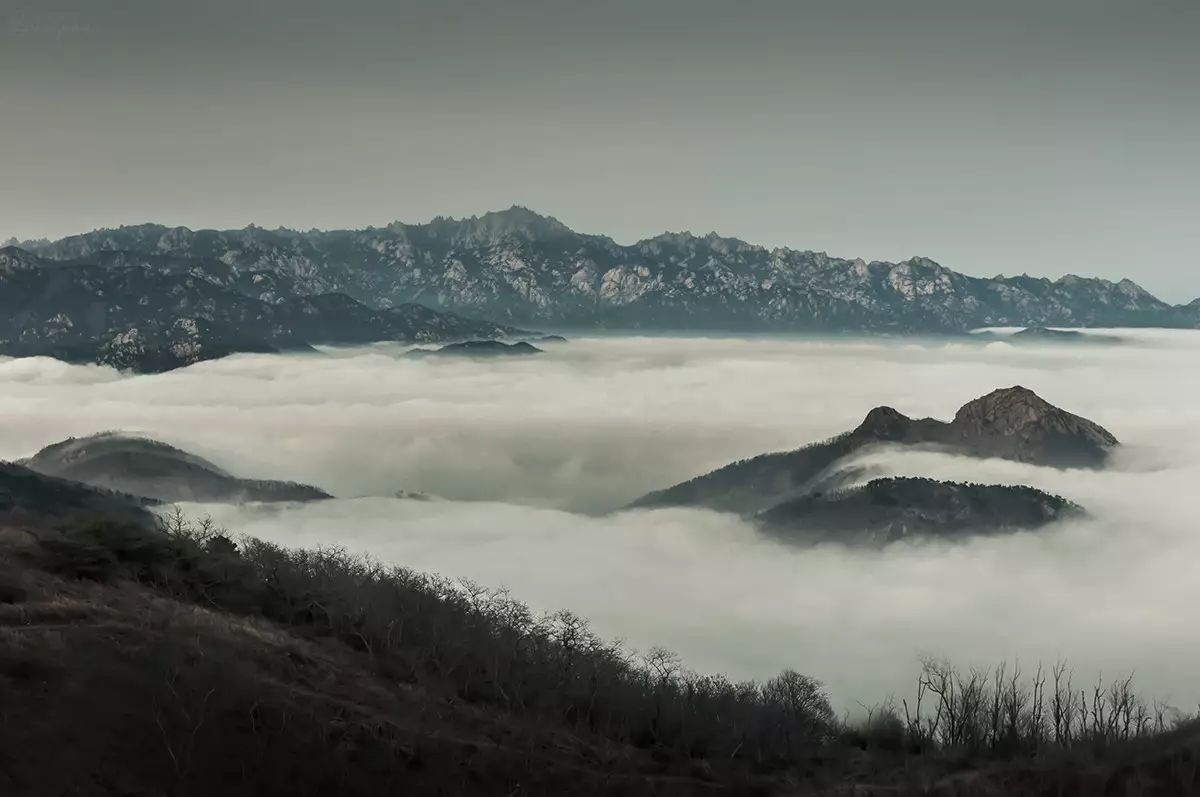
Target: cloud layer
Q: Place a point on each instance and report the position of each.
(530, 455)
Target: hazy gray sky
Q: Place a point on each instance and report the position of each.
(1024, 135)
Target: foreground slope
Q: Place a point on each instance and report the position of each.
(161, 695)
(29, 499)
(141, 466)
(478, 348)
(141, 662)
(529, 268)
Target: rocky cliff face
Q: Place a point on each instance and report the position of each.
(1016, 423)
(522, 267)
(1010, 423)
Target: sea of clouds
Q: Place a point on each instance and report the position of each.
(530, 458)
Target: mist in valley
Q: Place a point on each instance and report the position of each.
(529, 462)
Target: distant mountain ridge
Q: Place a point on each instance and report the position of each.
(522, 267)
(154, 313)
(478, 348)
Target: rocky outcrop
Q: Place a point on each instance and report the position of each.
(1016, 423)
(1012, 423)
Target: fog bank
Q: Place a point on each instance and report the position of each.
(530, 454)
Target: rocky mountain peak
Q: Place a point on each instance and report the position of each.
(1132, 289)
(883, 423)
(14, 258)
(1019, 424)
(686, 240)
(1006, 410)
(1003, 399)
(516, 222)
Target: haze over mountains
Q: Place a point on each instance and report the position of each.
(526, 458)
(815, 494)
(828, 507)
(151, 298)
(518, 266)
(374, 516)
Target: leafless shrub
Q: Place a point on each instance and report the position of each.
(490, 648)
(1011, 712)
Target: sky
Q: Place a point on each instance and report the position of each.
(528, 462)
(1017, 137)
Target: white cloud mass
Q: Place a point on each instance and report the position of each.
(531, 456)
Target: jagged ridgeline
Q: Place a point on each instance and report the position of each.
(520, 267)
(812, 493)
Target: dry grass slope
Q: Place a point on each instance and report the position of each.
(136, 662)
